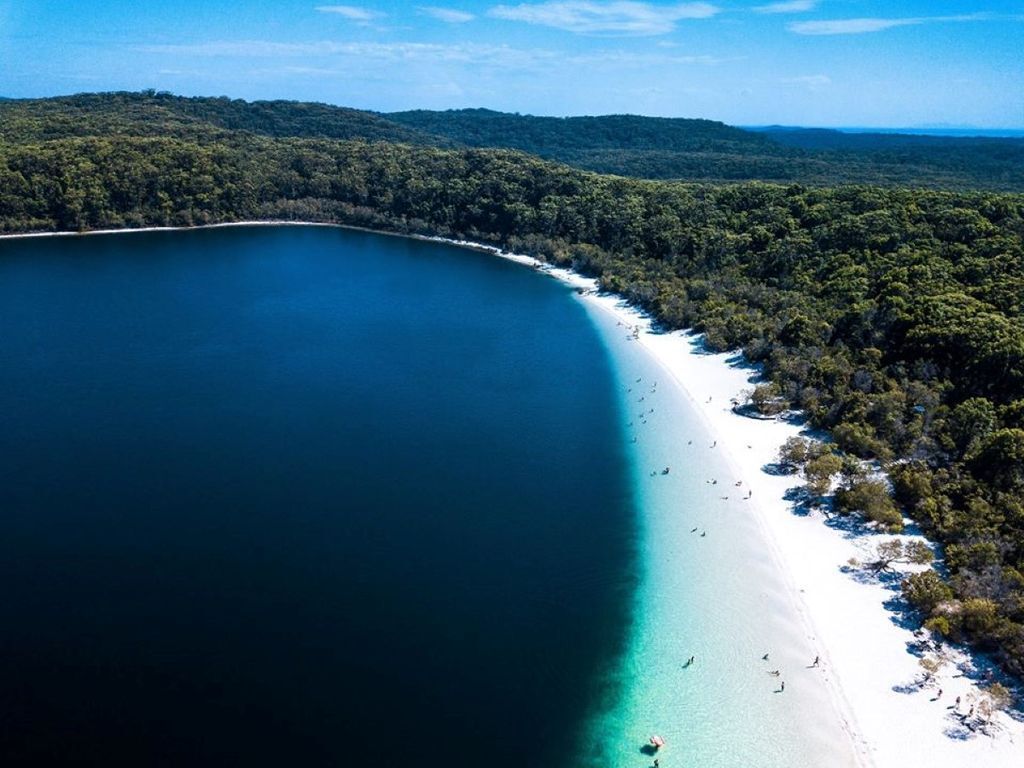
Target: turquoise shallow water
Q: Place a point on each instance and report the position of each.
(719, 597)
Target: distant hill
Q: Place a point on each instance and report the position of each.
(161, 114)
(547, 135)
(869, 141)
(677, 148)
(625, 145)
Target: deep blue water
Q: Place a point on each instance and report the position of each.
(302, 496)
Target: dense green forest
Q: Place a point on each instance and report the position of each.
(894, 317)
(660, 148)
(627, 145)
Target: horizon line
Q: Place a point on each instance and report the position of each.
(744, 126)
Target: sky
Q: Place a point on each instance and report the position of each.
(901, 63)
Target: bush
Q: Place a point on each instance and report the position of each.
(870, 498)
(939, 625)
(819, 472)
(767, 399)
(861, 440)
(980, 617)
(925, 591)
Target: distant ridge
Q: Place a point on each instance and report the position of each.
(487, 128)
(626, 145)
(151, 113)
(876, 140)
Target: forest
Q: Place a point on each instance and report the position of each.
(626, 145)
(893, 317)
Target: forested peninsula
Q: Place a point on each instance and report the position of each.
(893, 316)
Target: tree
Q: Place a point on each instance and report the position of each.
(871, 498)
(819, 472)
(766, 399)
(970, 423)
(1001, 459)
(794, 452)
(899, 551)
(926, 591)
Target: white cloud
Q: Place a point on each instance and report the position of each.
(790, 6)
(351, 12)
(849, 26)
(622, 17)
(633, 59)
(470, 53)
(862, 26)
(812, 82)
(330, 57)
(447, 15)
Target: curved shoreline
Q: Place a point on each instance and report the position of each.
(864, 651)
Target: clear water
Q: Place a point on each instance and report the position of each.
(720, 597)
(300, 496)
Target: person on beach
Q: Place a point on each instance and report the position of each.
(816, 660)
(782, 686)
(939, 694)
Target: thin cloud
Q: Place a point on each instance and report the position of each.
(502, 56)
(868, 25)
(323, 57)
(447, 15)
(793, 6)
(813, 82)
(597, 18)
(632, 59)
(351, 12)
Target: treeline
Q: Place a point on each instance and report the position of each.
(662, 148)
(893, 317)
(626, 145)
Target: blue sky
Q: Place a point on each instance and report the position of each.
(797, 62)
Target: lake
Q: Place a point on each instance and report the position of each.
(304, 496)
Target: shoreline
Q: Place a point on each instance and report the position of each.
(867, 664)
(865, 653)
